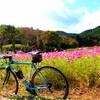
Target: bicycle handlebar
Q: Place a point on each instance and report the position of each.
(7, 56)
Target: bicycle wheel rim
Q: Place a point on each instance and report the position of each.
(8, 83)
(56, 78)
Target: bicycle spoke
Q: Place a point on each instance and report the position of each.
(57, 83)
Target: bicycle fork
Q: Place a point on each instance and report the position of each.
(7, 76)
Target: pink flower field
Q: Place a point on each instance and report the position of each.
(80, 66)
(60, 54)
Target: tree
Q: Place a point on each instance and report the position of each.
(12, 33)
(42, 41)
(64, 43)
(2, 35)
(54, 41)
(28, 38)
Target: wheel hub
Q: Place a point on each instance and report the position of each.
(49, 85)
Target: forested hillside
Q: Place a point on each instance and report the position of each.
(27, 38)
(93, 32)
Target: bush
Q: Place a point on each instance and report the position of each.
(8, 47)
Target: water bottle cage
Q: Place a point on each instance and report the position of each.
(19, 74)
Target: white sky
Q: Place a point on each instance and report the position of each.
(48, 15)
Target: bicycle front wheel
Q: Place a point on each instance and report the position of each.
(8, 83)
(54, 79)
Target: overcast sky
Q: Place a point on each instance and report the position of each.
(72, 16)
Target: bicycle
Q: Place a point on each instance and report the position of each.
(46, 81)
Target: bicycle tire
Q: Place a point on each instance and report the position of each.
(8, 82)
(56, 78)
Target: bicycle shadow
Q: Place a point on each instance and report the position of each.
(27, 98)
(23, 98)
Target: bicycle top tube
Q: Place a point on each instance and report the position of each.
(17, 62)
(13, 61)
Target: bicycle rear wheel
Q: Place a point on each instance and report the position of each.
(8, 82)
(57, 83)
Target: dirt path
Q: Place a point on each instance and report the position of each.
(75, 94)
(84, 94)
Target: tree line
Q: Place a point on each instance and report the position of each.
(33, 39)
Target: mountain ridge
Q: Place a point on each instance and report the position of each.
(92, 32)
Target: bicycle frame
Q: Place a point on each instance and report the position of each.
(42, 77)
(37, 80)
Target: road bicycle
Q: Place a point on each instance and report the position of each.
(45, 82)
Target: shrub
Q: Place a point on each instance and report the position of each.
(8, 47)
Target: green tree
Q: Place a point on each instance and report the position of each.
(54, 41)
(12, 33)
(64, 43)
(2, 35)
